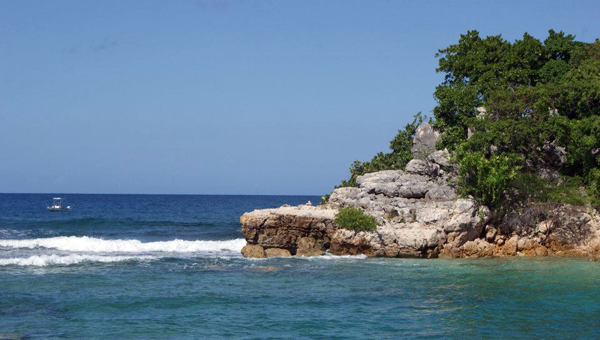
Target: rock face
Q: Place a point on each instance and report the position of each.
(421, 228)
(302, 231)
(538, 230)
(424, 141)
(417, 210)
(420, 215)
(422, 167)
(440, 157)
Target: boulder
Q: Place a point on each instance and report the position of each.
(490, 233)
(510, 247)
(395, 183)
(477, 248)
(525, 244)
(441, 192)
(253, 250)
(277, 252)
(422, 167)
(440, 157)
(282, 227)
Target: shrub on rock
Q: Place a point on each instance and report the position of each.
(487, 178)
(355, 219)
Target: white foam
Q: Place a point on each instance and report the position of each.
(98, 245)
(47, 260)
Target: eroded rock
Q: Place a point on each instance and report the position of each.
(426, 137)
(440, 157)
(308, 246)
(422, 167)
(420, 215)
(277, 252)
(416, 212)
(253, 250)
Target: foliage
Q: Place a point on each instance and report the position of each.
(593, 181)
(401, 154)
(355, 219)
(325, 199)
(569, 190)
(513, 79)
(538, 97)
(583, 139)
(487, 178)
(529, 137)
(510, 112)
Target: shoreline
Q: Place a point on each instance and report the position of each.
(419, 214)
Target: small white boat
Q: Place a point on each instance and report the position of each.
(57, 205)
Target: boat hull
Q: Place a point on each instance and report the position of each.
(58, 209)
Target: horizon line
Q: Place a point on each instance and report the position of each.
(147, 194)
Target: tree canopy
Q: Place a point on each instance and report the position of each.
(538, 97)
(510, 110)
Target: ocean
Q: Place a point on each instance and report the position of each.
(169, 267)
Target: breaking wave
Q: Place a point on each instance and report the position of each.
(47, 260)
(98, 245)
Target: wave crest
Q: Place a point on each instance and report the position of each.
(47, 260)
(98, 245)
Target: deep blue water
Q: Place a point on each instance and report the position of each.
(168, 267)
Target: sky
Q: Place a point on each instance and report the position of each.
(228, 97)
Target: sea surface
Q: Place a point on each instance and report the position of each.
(169, 267)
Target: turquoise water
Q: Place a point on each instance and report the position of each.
(168, 267)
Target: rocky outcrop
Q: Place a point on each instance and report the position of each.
(417, 210)
(420, 215)
(420, 227)
(538, 230)
(302, 231)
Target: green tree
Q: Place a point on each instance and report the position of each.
(538, 97)
(535, 94)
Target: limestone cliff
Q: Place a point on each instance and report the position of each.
(420, 216)
(417, 210)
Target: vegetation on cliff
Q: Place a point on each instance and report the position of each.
(509, 111)
(396, 159)
(540, 98)
(355, 219)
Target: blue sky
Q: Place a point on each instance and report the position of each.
(227, 97)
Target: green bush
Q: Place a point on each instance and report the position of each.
(570, 191)
(325, 199)
(594, 183)
(355, 219)
(486, 179)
